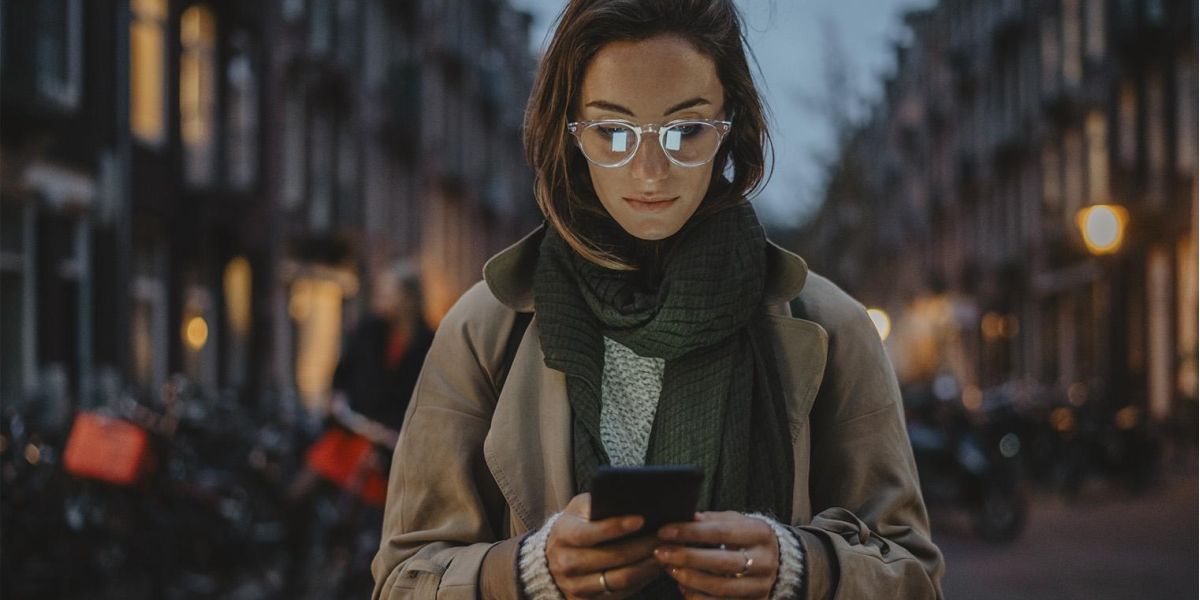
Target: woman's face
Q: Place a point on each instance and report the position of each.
(657, 80)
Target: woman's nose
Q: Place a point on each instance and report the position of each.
(651, 162)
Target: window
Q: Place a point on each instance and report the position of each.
(293, 149)
(238, 288)
(1155, 12)
(1127, 126)
(58, 50)
(147, 70)
(320, 26)
(347, 34)
(1049, 53)
(148, 318)
(315, 304)
(1095, 29)
(321, 168)
(1185, 116)
(1156, 142)
(242, 116)
(18, 307)
(1072, 70)
(347, 172)
(1186, 291)
(1096, 131)
(197, 89)
(1073, 174)
(291, 9)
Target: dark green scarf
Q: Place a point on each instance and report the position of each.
(721, 405)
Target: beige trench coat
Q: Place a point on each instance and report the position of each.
(477, 467)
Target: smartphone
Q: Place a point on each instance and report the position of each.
(660, 494)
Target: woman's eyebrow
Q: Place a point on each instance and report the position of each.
(606, 105)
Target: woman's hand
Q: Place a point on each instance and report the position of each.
(745, 568)
(583, 558)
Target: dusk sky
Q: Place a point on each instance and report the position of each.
(786, 36)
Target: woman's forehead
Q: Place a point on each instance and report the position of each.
(650, 79)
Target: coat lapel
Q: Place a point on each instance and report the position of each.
(528, 448)
(801, 348)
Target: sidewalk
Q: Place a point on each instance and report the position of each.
(1106, 545)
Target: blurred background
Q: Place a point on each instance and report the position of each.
(226, 226)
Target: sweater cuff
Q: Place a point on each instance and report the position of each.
(791, 560)
(535, 571)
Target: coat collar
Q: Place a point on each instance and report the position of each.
(509, 274)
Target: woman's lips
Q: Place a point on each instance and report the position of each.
(653, 206)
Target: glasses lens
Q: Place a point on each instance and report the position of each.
(691, 143)
(607, 144)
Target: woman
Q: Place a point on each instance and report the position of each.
(660, 334)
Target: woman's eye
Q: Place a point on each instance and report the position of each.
(687, 130)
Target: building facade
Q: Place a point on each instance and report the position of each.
(206, 187)
(1003, 120)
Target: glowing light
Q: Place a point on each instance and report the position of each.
(147, 69)
(1062, 419)
(1010, 326)
(972, 397)
(195, 333)
(883, 324)
(1127, 418)
(197, 35)
(33, 454)
(237, 294)
(1010, 445)
(992, 326)
(1103, 227)
(317, 307)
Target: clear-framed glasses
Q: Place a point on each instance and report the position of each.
(612, 143)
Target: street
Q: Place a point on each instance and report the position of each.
(1107, 545)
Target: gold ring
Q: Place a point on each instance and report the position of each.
(746, 567)
(604, 583)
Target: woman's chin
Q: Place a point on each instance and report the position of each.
(651, 227)
(651, 232)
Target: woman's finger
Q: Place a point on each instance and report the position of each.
(622, 581)
(573, 530)
(743, 532)
(578, 561)
(720, 562)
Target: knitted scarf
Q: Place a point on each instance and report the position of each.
(721, 407)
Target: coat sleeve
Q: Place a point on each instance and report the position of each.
(870, 536)
(444, 512)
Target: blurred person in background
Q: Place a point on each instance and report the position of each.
(372, 383)
(653, 325)
(383, 355)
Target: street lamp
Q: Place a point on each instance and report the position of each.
(1102, 227)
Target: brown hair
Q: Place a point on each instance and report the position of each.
(562, 185)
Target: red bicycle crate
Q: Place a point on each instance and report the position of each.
(340, 457)
(106, 448)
